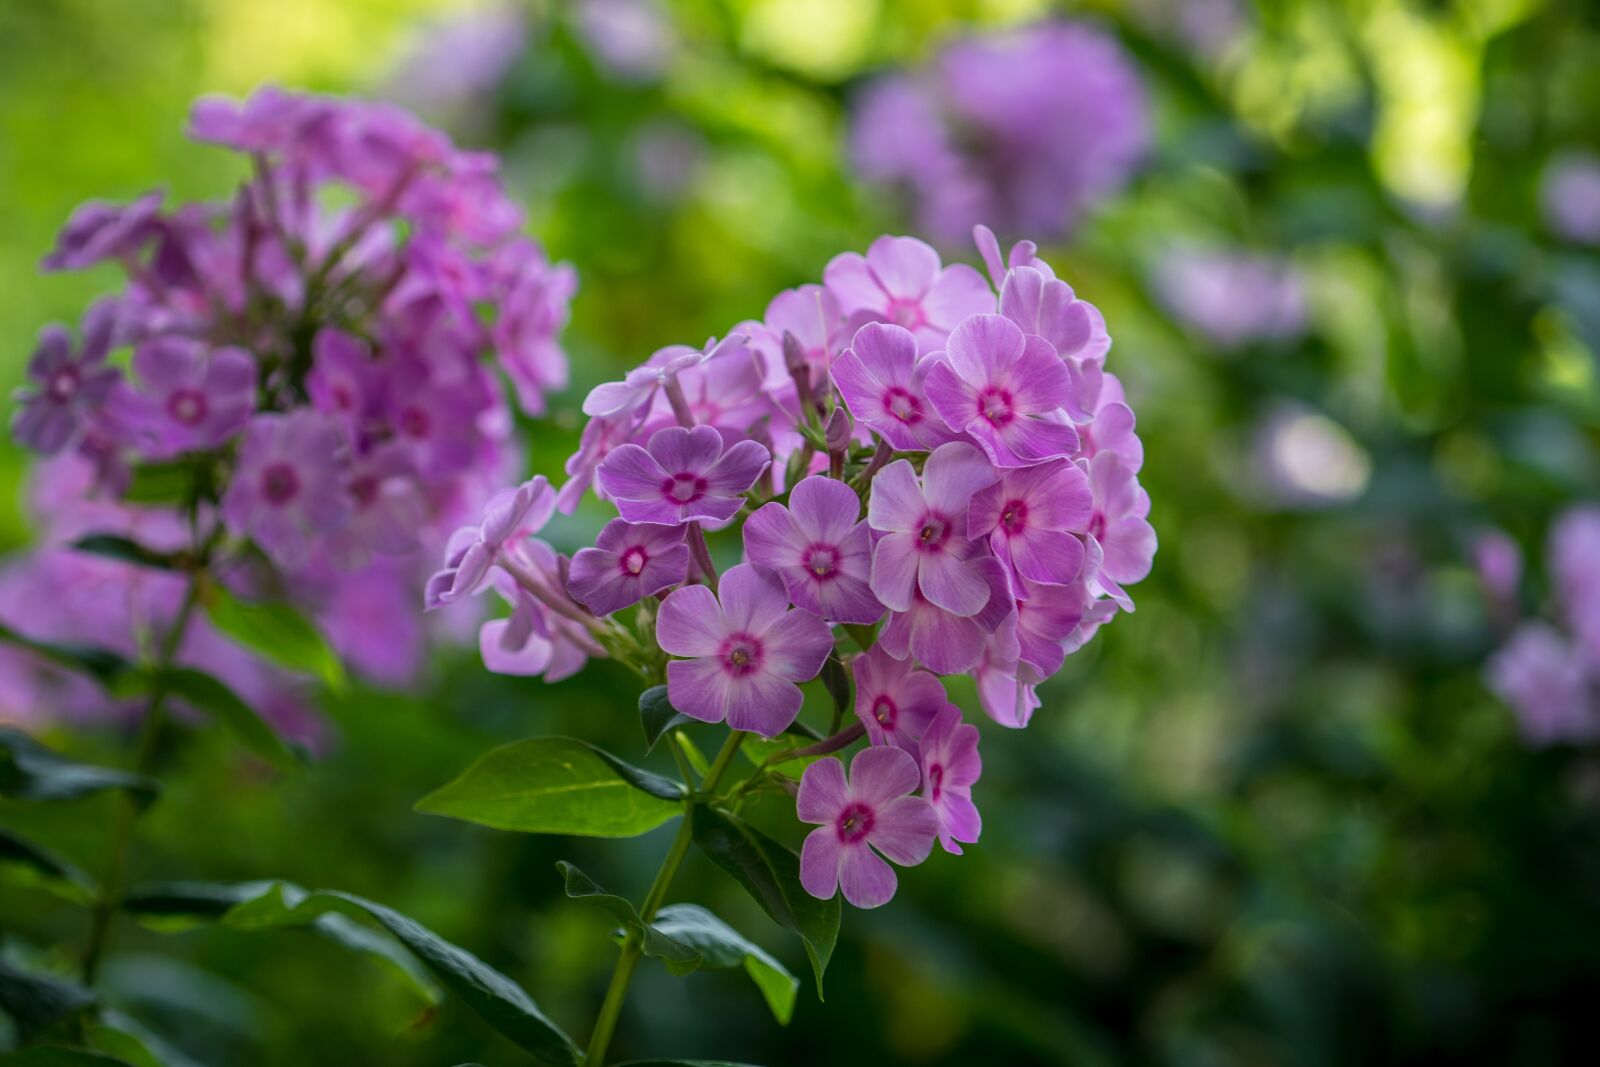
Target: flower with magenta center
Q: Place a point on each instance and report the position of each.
(924, 526)
(893, 701)
(859, 818)
(67, 384)
(995, 383)
(188, 399)
(820, 547)
(747, 651)
(883, 384)
(285, 492)
(950, 766)
(1030, 517)
(682, 476)
(901, 281)
(628, 563)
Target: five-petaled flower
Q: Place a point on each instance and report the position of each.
(285, 491)
(67, 384)
(900, 280)
(820, 547)
(894, 701)
(628, 563)
(925, 541)
(950, 764)
(871, 811)
(883, 386)
(682, 476)
(1030, 516)
(747, 653)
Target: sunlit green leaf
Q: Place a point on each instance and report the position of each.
(274, 629)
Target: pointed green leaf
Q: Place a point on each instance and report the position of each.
(502, 1003)
(207, 694)
(125, 550)
(679, 958)
(770, 873)
(720, 945)
(177, 906)
(274, 629)
(557, 785)
(104, 666)
(38, 866)
(657, 715)
(37, 1003)
(30, 771)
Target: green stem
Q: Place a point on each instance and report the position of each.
(611, 1008)
(110, 898)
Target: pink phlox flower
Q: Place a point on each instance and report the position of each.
(884, 386)
(1120, 526)
(924, 542)
(288, 490)
(511, 514)
(901, 281)
(819, 545)
(894, 701)
(1031, 517)
(870, 813)
(66, 385)
(682, 476)
(628, 563)
(950, 766)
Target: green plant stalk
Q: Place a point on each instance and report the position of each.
(628, 959)
(111, 890)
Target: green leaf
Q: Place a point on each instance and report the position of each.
(161, 483)
(274, 629)
(839, 685)
(37, 1003)
(758, 750)
(30, 771)
(125, 550)
(679, 958)
(770, 873)
(657, 715)
(502, 1003)
(557, 785)
(124, 1037)
(39, 867)
(176, 906)
(211, 696)
(720, 945)
(103, 665)
(55, 1056)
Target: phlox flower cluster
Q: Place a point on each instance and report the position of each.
(327, 361)
(1026, 129)
(1549, 671)
(928, 473)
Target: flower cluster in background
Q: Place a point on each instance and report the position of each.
(317, 368)
(1026, 129)
(1548, 671)
(926, 476)
(1233, 298)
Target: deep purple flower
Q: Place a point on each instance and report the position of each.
(950, 766)
(98, 231)
(1542, 676)
(67, 384)
(682, 476)
(628, 563)
(747, 651)
(1030, 517)
(945, 642)
(995, 382)
(187, 399)
(893, 701)
(925, 538)
(900, 280)
(1119, 524)
(871, 811)
(510, 514)
(288, 490)
(820, 547)
(883, 386)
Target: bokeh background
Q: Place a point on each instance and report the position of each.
(1275, 816)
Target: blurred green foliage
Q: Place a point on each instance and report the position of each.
(1273, 817)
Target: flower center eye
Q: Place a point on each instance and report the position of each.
(187, 406)
(741, 654)
(902, 405)
(364, 489)
(854, 822)
(906, 313)
(884, 710)
(280, 483)
(935, 782)
(1014, 517)
(933, 534)
(633, 561)
(343, 398)
(996, 406)
(1097, 526)
(684, 488)
(414, 422)
(821, 561)
(64, 383)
